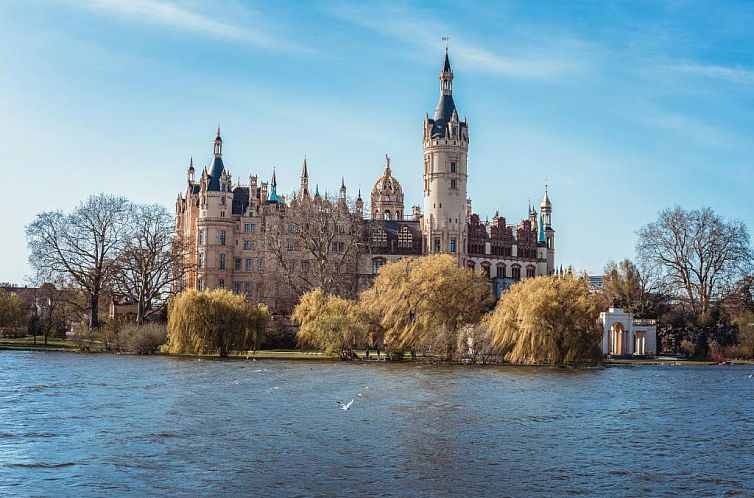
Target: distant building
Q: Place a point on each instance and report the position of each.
(596, 281)
(624, 335)
(227, 224)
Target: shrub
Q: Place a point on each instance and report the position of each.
(143, 339)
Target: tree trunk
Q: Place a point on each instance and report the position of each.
(94, 311)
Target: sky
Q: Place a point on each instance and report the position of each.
(626, 108)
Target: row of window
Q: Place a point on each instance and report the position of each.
(451, 246)
(500, 270)
(405, 238)
(237, 287)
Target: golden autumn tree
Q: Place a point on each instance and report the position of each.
(214, 321)
(422, 303)
(548, 320)
(328, 322)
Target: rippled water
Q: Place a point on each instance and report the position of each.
(94, 425)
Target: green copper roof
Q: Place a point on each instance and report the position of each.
(541, 230)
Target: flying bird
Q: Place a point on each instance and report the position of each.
(345, 406)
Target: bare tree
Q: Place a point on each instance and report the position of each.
(316, 243)
(83, 245)
(152, 260)
(697, 253)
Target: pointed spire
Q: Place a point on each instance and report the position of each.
(316, 191)
(304, 170)
(274, 182)
(446, 67)
(191, 163)
(358, 197)
(343, 182)
(546, 204)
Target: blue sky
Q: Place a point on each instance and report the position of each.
(627, 107)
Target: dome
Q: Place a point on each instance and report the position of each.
(387, 185)
(387, 196)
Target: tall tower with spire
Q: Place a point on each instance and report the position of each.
(446, 144)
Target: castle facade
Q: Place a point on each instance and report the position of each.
(236, 233)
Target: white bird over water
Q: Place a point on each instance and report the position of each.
(346, 406)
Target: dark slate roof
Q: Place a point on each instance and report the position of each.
(446, 66)
(392, 227)
(215, 170)
(240, 199)
(195, 188)
(443, 112)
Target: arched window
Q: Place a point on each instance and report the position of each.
(516, 272)
(377, 263)
(530, 271)
(387, 214)
(485, 269)
(405, 239)
(500, 270)
(471, 265)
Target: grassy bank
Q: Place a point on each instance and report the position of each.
(56, 344)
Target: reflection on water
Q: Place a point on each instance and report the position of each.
(91, 425)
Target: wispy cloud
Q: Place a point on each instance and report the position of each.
(698, 131)
(543, 60)
(736, 74)
(178, 17)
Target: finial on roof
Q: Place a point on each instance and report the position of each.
(304, 170)
(274, 181)
(387, 164)
(191, 163)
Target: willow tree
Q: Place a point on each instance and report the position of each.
(328, 323)
(548, 321)
(424, 302)
(214, 321)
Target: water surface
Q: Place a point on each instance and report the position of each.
(94, 425)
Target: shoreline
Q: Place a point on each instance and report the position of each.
(288, 354)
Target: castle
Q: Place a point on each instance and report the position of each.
(232, 231)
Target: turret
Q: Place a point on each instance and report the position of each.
(549, 232)
(190, 173)
(304, 189)
(445, 142)
(359, 205)
(218, 149)
(342, 192)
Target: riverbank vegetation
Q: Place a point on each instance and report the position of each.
(215, 321)
(548, 321)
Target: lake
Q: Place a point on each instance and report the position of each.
(108, 425)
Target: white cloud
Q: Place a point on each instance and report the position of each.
(735, 74)
(172, 15)
(545, 59)
(698, 131)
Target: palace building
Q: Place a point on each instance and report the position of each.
(231, 229)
